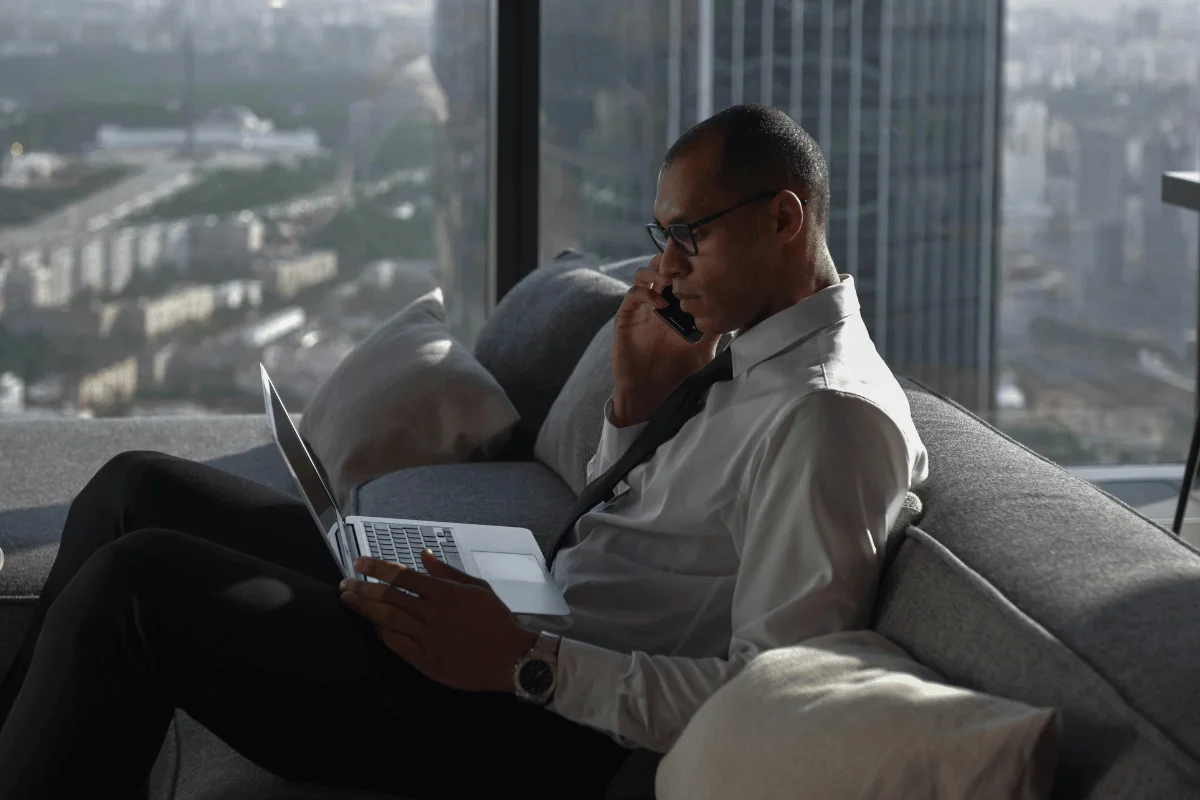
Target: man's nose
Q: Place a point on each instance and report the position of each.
(673, 263)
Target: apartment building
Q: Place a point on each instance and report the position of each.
(12, 394)
(234, 240)
(60, 259)
(237, 293)
(176, 243)
(37, 286)
(120, 263)
(90, 263)
(149, 247)
(104, 388)
(286, 276)
(97, 321)
(154, 316)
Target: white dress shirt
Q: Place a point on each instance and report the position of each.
(760, 524)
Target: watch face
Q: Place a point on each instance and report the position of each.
(536, 677)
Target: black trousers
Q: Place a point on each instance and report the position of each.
(178, 585)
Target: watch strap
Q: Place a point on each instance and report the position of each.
(545, 649)
(548, 644)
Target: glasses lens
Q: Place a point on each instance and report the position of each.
(659, 236)
(682, 235)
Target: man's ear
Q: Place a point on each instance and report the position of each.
(791, 215)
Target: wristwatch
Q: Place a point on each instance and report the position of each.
(536, 673)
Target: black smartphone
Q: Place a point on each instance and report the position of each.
(680, 321)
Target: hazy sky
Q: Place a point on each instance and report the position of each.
(1099, 8)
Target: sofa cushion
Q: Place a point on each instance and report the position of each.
(523, 494)
(407, 396)
(538, 331)
(1027, 582)
(850, 714)
(571, 433)
(949, 618)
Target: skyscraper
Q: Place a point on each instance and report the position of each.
(460, 59)
(902, 95)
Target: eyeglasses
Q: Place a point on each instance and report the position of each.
(684, 232)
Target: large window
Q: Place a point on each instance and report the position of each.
(187, 189)
(902, 97)
(995, 182)
(1098, 304)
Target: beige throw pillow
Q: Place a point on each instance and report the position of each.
(850, 715)
(410, 395)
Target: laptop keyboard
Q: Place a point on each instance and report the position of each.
(403, 544)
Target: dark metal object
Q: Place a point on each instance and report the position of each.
(1183, 189)
(516, 100)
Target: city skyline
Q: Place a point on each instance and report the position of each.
(1025, 241)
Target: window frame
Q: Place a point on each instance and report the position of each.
(514, 96)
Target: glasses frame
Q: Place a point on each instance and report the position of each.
(677, 230)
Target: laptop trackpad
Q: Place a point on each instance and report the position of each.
(508, 567)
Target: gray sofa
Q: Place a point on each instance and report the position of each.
(1020, 579)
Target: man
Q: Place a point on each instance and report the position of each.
(758, 524)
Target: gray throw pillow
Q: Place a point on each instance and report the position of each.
(537, 333)
(408, 396)
(623, 270)
(571, 433)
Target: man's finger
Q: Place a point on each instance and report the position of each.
(647, 296)
(646, 276)
(397, 575)
(441, 569)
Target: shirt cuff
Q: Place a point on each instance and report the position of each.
(615, 441)
(587, 685)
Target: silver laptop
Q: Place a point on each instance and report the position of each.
(507, 558)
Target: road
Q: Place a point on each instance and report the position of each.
(105, 208)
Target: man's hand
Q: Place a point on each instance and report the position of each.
(456, 632)
(649, 360)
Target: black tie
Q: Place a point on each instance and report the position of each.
(683, 404)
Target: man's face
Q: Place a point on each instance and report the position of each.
(722, 285)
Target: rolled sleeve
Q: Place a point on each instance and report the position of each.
(639, 700)
(586, 677)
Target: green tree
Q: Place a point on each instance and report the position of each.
(369, 231)
(410, 144)
(22, 206)
(227, 191)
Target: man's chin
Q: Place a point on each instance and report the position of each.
(705, 320)
(707, 325)
(693, 306)
(714, 326)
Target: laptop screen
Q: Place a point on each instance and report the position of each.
(300, 463)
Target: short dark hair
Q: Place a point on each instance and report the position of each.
(763, 149)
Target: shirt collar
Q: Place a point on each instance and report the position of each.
(788, 327)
